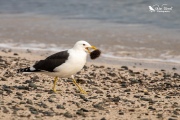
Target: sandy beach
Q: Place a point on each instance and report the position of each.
(137, 76)
(115, 92)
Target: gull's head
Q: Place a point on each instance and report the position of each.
(83, 45)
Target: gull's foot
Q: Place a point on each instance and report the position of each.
(83, 92)
(56, 91)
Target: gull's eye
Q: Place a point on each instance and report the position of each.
(83, 44)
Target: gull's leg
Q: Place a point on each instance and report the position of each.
(81, 90)
(54, 85)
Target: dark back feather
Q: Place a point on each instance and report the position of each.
(52, 61)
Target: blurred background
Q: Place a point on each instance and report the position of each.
(120, 28)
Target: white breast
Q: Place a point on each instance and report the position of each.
(74, 64)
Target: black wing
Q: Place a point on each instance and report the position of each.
(59, 55)
(52, 61)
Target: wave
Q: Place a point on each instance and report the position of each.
(41, 47)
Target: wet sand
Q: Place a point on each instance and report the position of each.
(123, 91)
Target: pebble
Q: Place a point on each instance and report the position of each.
(123, 84)
(5, 110)
(115, 99)
(137, 96)
(99, 92)
(103, 118)
(84, 110)
(121, 113)
(8, 90)
(41, 104)
(112, 74)
(18, 93)
(33, 110)
(48, 113)
(131, 110)
(51, 100)
(60, 107)
(38, 95)
(146, 99)
(32, 85)
(151, 108)
(68, 115)
(29, 101)
(15, 54)
(127, 90)
(99, 106)
(172, 119)
(124, 67)
(83, 97)
(23, 87)
(80, 112)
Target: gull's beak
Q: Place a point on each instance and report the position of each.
(92, 47)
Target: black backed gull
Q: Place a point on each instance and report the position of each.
(63, 64)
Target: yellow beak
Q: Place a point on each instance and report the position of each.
(92, 47)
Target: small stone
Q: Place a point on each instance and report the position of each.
(121, 113)
(83, 97)
(17, 81)
(103, 118)
(99, 92)
(23, 87)
(176, 112)
(48, 113)
(127, 90)
(41, 104)
(33, 110)
(124, 67)
(29, 101)
(123, 84)
(172, 119)
(80, 112)
(19, 97)
(84, 110)
(146, 99)
(60, 107)
(112, 74)
(99, 106)
(22, 102)
(5, 110)
(68, 115)
(15, 54)
(27, 81)
(133, 81)
(137, 96)
(146, 93)
(18, 93)
(38, 95)
(131, 110)
(32, 85)
(151, 108)
(93, 97)
(168, 97)
(8, 90)
(174, 68)
(51, 100)
(115, 99)
(159, 115)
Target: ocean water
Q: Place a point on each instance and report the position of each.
(120, 28)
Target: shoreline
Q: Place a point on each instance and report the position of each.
(133, 63)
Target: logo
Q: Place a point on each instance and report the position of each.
(160, 8)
